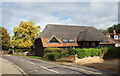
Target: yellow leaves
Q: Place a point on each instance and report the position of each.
(24, 34)
(5, 39)
(31, 22)
(25, 44)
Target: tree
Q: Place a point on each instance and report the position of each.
(114, 27)
(104, 31)
(110, 29)
(5, 38)
(24, 35)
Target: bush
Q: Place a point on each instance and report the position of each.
(103, 51)
(73, 52)
(65, 52)
(113, 52)
(19, 50)
(52, 53)
(56, 53)
(49, 49)
(86, 52)
(53, 56)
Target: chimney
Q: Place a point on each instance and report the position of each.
(114, 32)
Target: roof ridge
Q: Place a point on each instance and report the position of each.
(66, 25)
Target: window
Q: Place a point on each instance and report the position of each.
(53, 40)
(71, 40)
(116, 37)
(89, 44)
(93, 45)
(68, 40)
(65, 40)
(105, 41)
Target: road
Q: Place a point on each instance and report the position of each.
(35, 66)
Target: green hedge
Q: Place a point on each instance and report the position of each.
(52, 53)
(113, 52)
(49, 49)
(57, 53)
(53, 56)
(86, 52)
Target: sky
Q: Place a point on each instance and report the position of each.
(100, 15)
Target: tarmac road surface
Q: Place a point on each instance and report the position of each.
(35, 66)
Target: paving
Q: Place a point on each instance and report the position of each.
(0, 65)
(7, 68)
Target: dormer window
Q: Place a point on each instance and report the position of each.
(115, 36)
(53, 40)
(68, 40)
(71, 40)
(65, 40)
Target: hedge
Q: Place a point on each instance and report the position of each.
(113, 52)
(57, 53)
(86, 52)
(49, 49)
(52, 53)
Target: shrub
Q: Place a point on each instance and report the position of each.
(65, 52)
(113, 52)
(86, 52)
(52, 56)
(19, 50)
(52, 53)
(49, 49)
(56, 53)
(73, 52)
(103, 51)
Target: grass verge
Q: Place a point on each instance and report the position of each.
(64, 60)
(17, 55)
(37, 57)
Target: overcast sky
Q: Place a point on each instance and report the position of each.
(100, 15)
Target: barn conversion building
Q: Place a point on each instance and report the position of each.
(65, 36)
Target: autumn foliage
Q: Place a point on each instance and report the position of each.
(4, 39)
(24, 35)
